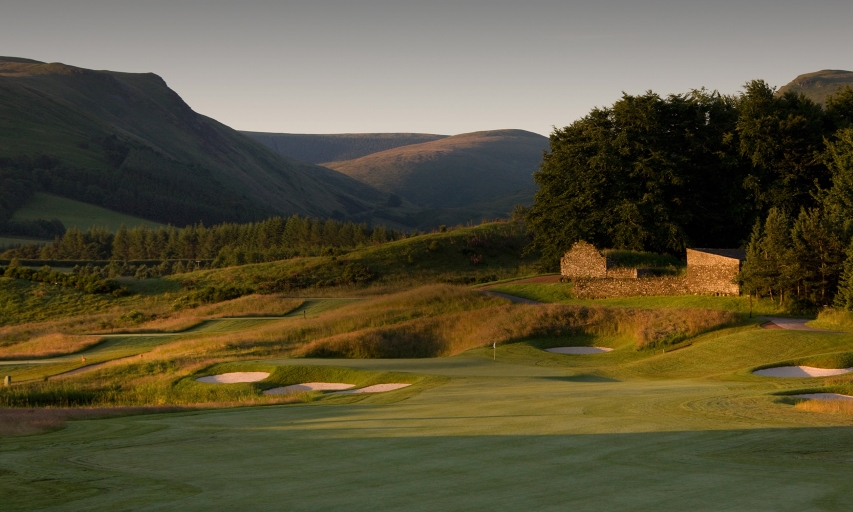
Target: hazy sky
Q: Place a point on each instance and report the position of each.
(321, 66)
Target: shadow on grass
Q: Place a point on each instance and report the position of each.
(584, 377)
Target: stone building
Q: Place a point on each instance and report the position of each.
(709, 272)
(583, 260)
(714, 271)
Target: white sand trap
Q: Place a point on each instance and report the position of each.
(801, 371)
(376, 388)
(234, 377)
(825, 396)
(308, 386)
(578, 350)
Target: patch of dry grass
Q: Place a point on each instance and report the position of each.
(834, 319)
(453, 333)
(48, 345)
(443, 320)
(826, 406)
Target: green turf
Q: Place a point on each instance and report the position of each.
(562, 293)
(686, 430)
(504, 435)
(76, 214)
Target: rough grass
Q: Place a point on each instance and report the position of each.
(825, 406)
(833, 319)
(486, 252)
(48, 345)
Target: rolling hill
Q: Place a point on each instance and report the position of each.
(318, 148)
(818, 85)
(127, 142)
(453, 172)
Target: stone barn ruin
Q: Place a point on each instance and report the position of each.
(709, 272)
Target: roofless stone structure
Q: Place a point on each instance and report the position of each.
(709, 272)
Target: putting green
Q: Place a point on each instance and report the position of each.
(533, 431)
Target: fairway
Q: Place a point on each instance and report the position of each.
(532, 430)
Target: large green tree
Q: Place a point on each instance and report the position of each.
(648, 173)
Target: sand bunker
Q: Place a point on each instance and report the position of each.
(801, 371)
(377, 388)
(234, 377)
(308, 386)
(578, 350)
(825, 396)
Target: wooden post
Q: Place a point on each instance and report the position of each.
(7, 381)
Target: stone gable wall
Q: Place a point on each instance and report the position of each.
(583, 260)
(711, 274)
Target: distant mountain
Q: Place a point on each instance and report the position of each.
(129, 143)
(817, 86)
(453, 172)
(335, 147)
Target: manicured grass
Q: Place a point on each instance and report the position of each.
(76, 214)
(507, 435)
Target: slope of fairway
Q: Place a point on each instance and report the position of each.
(497, 436)
(317, 148)
(455, 171)
(77, 214)
(820, 84)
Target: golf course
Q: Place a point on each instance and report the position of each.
(505, 428)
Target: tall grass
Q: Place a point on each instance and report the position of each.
(826, 406)
(831, 318)
(48, 345)
(451, 334)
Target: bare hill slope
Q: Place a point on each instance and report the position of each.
(455, 171)
(127, 142)
(820, 84)
(318, 148)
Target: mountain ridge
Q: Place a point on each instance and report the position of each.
(131, 131)
(819, 84)
(453, 172)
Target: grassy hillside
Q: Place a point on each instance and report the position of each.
(454, 172)
(336, 147)
(818, 85)
(74, 213)
(127, 142)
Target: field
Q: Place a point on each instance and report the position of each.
(105, 411)
(76, 214)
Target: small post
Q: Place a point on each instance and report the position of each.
(495, 351)
(7, 381)
(304, 314)
(750, 304)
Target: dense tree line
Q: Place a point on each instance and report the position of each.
(697, 169)
(227, 244)
(807, 260)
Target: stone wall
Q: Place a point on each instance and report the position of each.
(583, 260)
(714, 271)
(629, 287)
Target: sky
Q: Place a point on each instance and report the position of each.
(447, 67)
